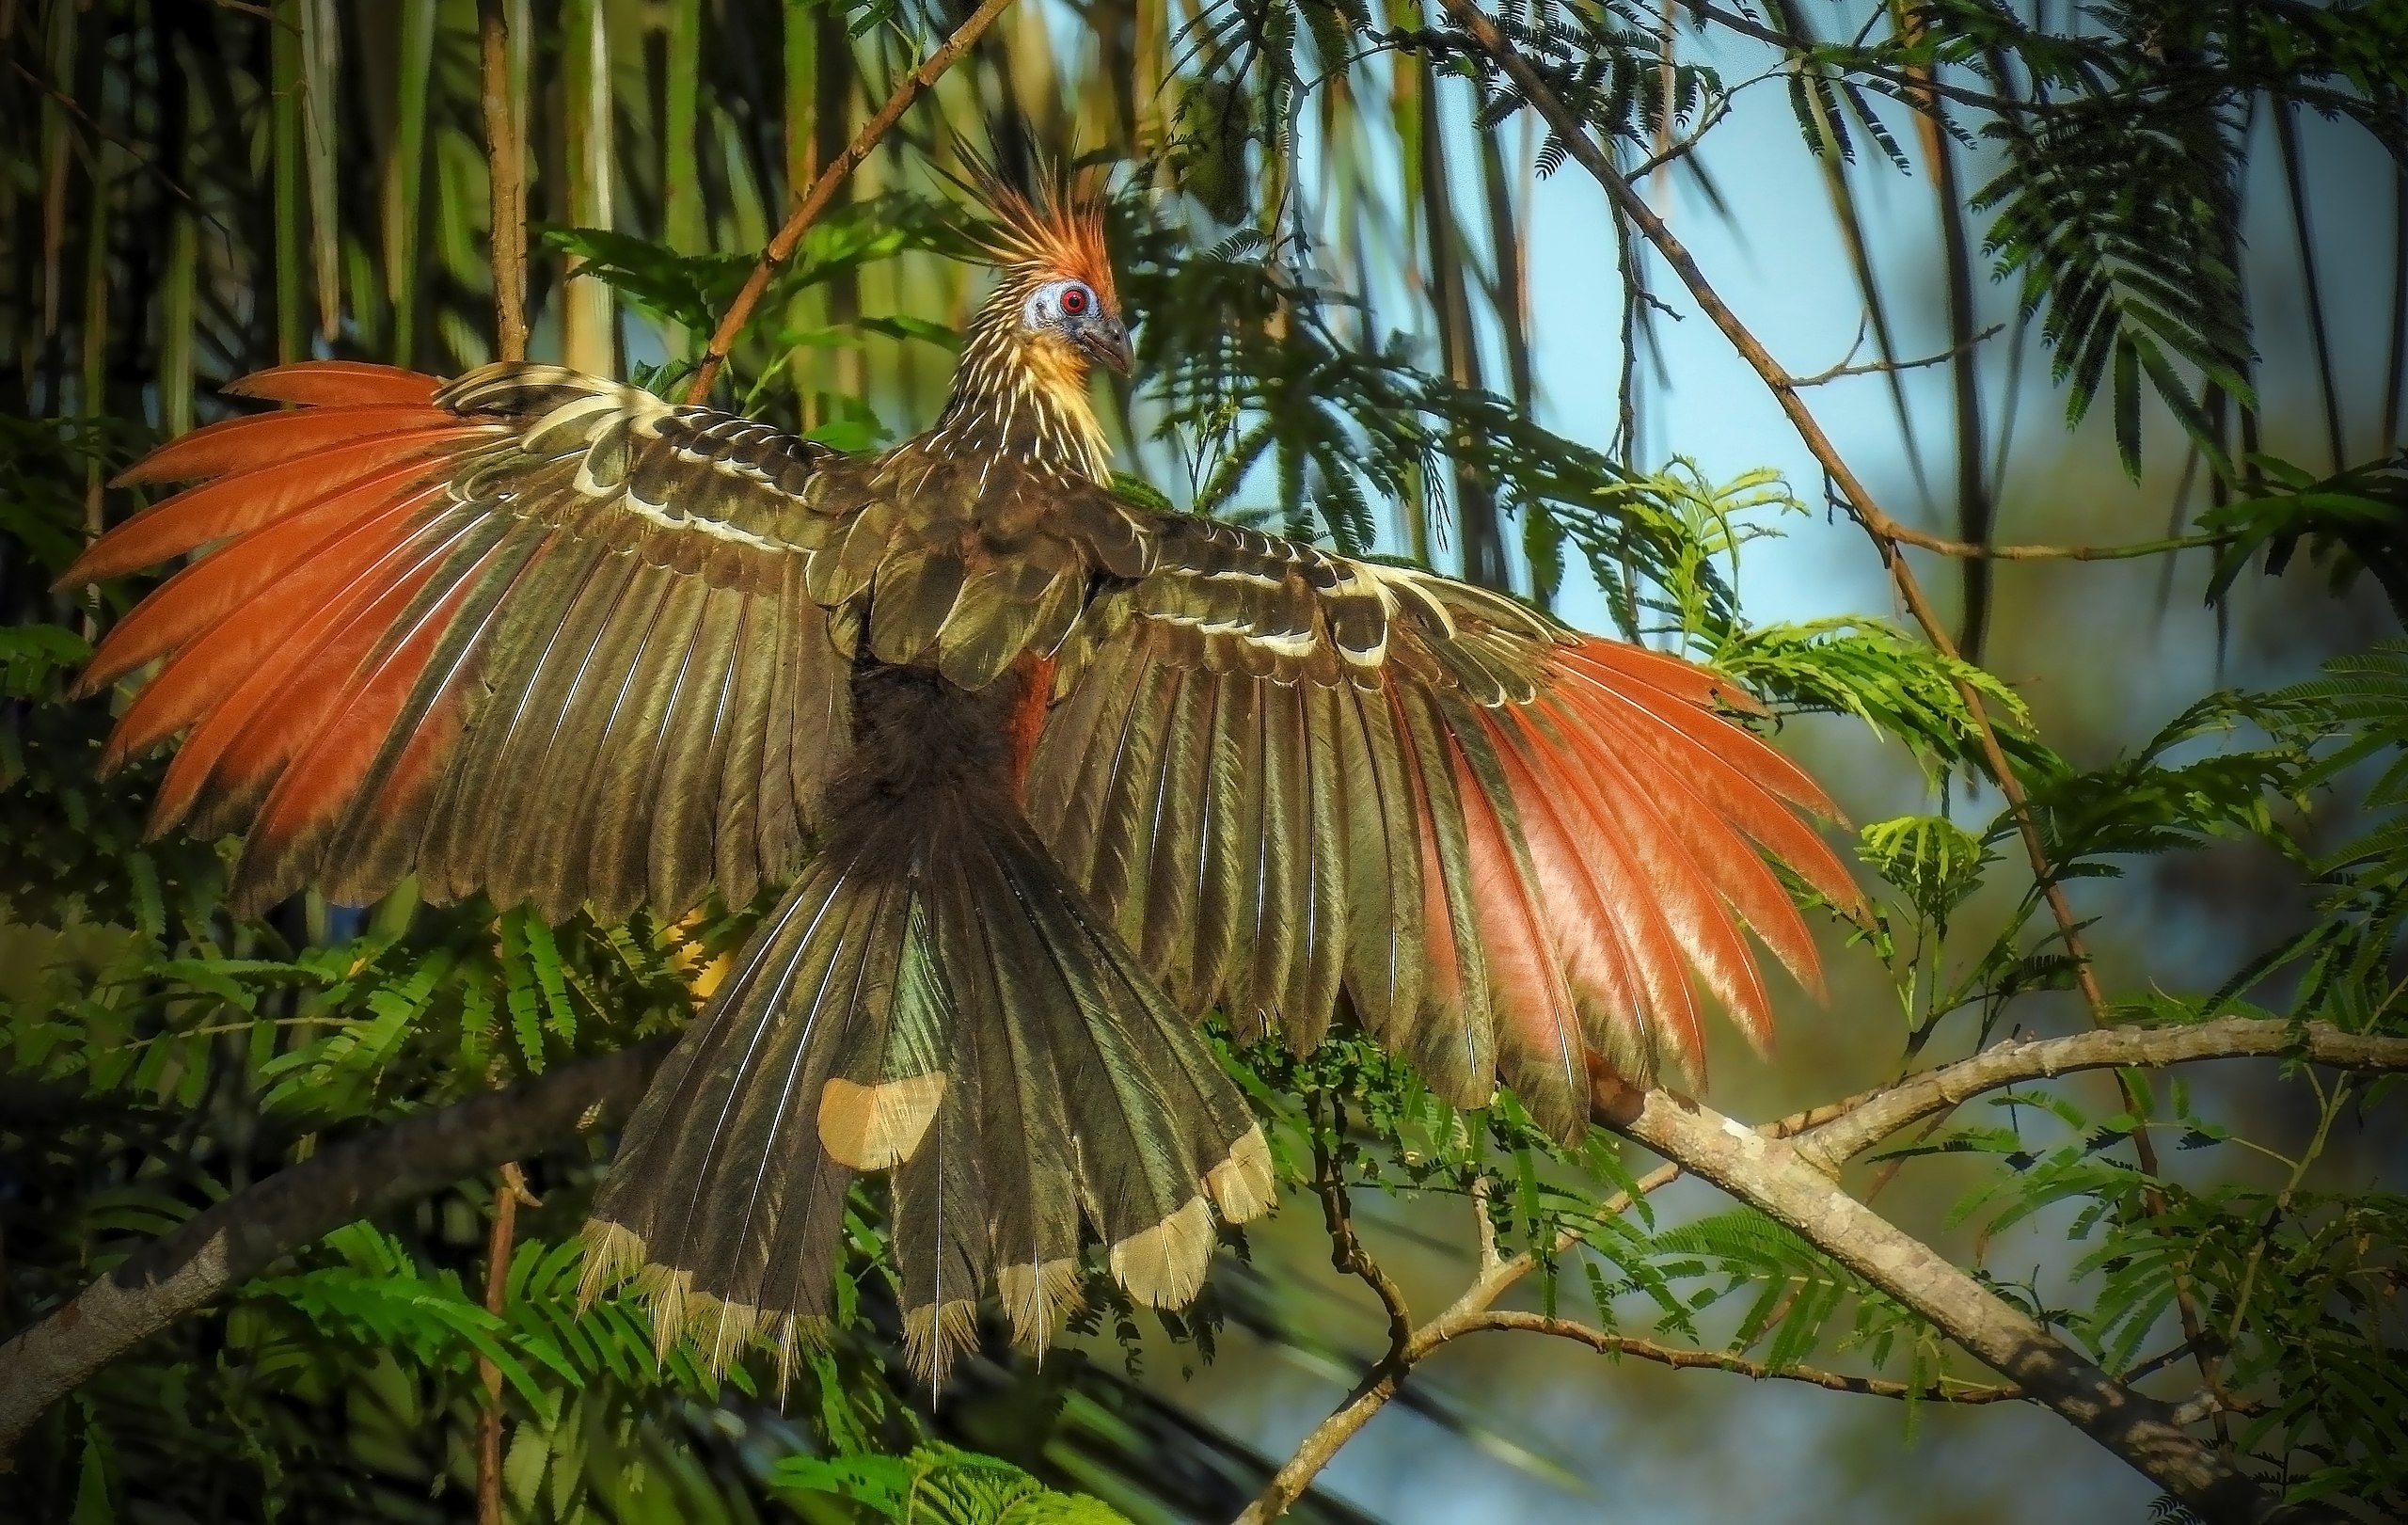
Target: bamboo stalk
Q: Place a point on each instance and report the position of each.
(1976, 514)
(681, 179)
(321, 58)
(2320, 334)
(1541, 537)
(800, 41)
(832, 78)
(285, 87)
(179, 316)
(589, 338)
(92, 378)
(180, 269)
(2396, 361)
(1800, 31)
(1484, 538)
(57, 162)
(405, 174)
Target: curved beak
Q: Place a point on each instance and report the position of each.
(1107, 340)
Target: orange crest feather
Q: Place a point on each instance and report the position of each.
(1058, 232)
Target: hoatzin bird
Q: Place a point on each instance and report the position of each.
(1052, 776)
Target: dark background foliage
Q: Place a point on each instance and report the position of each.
(1333, 221)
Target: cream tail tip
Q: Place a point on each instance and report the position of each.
(1163, 1267)
(1243, 1186)
(934, 1333)
(1035, 1298)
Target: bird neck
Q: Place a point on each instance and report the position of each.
(1022, 397)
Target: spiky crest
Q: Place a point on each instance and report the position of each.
(1053, 234)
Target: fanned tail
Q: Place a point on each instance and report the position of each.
(934, 998)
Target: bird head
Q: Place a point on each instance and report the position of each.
(1057, 277)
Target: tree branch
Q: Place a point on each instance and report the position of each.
(1969, 551)
(1775, 1176)
(824, 190)
(1328, 1438)
(1346, 1251)
(1852, 367)
(1680, 1358)
(506, 1202)
(506, 179)
(248, 1232)
(1831, 1136)
(1884, 530)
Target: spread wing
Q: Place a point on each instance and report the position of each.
(1285, 772)
(535, 633)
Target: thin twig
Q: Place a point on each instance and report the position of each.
(2331, 1110)
(1942, 547)
(1380, 1385)
(1887, 535)
(220, 1249)
(1346, 1251)
(1885, 531)
(824, 190)
(507, 175)
(2219, 1481)
(84, 118)
(1877, 368)
(1910, 86)
(1681, 1359)
(506, 1202)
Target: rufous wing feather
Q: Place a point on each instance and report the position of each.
(1523, 851)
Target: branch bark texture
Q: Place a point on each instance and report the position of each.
(242, 1235)
(1832, 1135)
(1772, 1175)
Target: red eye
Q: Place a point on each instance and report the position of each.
(1074, 301)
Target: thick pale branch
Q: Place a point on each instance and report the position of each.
(1790, 1177)
(242, 1235)
(1773, 1176)
(1831, 1136)
(823, 190)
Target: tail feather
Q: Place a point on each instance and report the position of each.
(937, 1000)
(1032, 1194)
(750, 1047)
